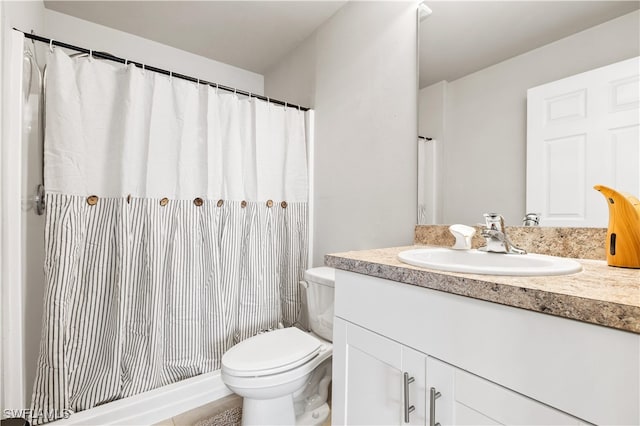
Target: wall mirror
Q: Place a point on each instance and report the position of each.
(477, 61)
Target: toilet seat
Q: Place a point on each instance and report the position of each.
(279, 351)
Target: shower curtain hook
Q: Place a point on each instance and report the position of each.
(51, 45)
(285, 105)
(90, 54)
(216, 88)
(142, 68)
(170, 76)
(126, 62)
(198, 83)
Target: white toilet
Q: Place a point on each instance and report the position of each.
(284, 375)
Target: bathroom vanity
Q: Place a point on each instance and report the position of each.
(416, 346)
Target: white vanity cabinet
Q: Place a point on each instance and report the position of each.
(387, 383)
(491, 364)
(385, 380)
(466, 399)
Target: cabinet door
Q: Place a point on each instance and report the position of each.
(369, 379)
(466, 399)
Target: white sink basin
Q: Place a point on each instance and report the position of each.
(480, 262)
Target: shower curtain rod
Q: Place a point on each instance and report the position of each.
(107, 56)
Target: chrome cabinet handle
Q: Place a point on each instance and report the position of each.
(433, 395)
(408, 409)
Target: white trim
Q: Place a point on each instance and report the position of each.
(310, 129)
(2, 322)
(11, 280)
(155, 405)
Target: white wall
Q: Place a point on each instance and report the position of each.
(431, 124)
(24, 15)
(97, 37)
(21, 231)
(485, 136)
(22, 283)
(294, 77)
(359, 72)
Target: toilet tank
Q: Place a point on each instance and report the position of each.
(320, 296)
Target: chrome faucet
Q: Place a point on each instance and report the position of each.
(496, 236)
(531, 219)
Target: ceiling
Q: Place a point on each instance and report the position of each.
(461, 37)
(458, 38)
(253, 35)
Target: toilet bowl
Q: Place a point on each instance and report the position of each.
(283, 375)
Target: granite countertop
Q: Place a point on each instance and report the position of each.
(600, 294)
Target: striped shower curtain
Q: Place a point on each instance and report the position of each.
(176, 226)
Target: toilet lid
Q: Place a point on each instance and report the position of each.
(272, 352)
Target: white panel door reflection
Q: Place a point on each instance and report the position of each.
(582, 131)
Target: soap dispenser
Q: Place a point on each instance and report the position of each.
(623, 235)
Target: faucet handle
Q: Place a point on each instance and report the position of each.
(531, 219)
(494, 221)
(463, 235)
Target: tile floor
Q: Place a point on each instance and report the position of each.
(223, 412)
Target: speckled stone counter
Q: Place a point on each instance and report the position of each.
(580, 243)
(600, 294)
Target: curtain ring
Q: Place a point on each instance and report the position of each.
(90, 54)
(170, 76)
(51, 45)
(142, 68)
(285, 105)
(216, 88)
(126, 62)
